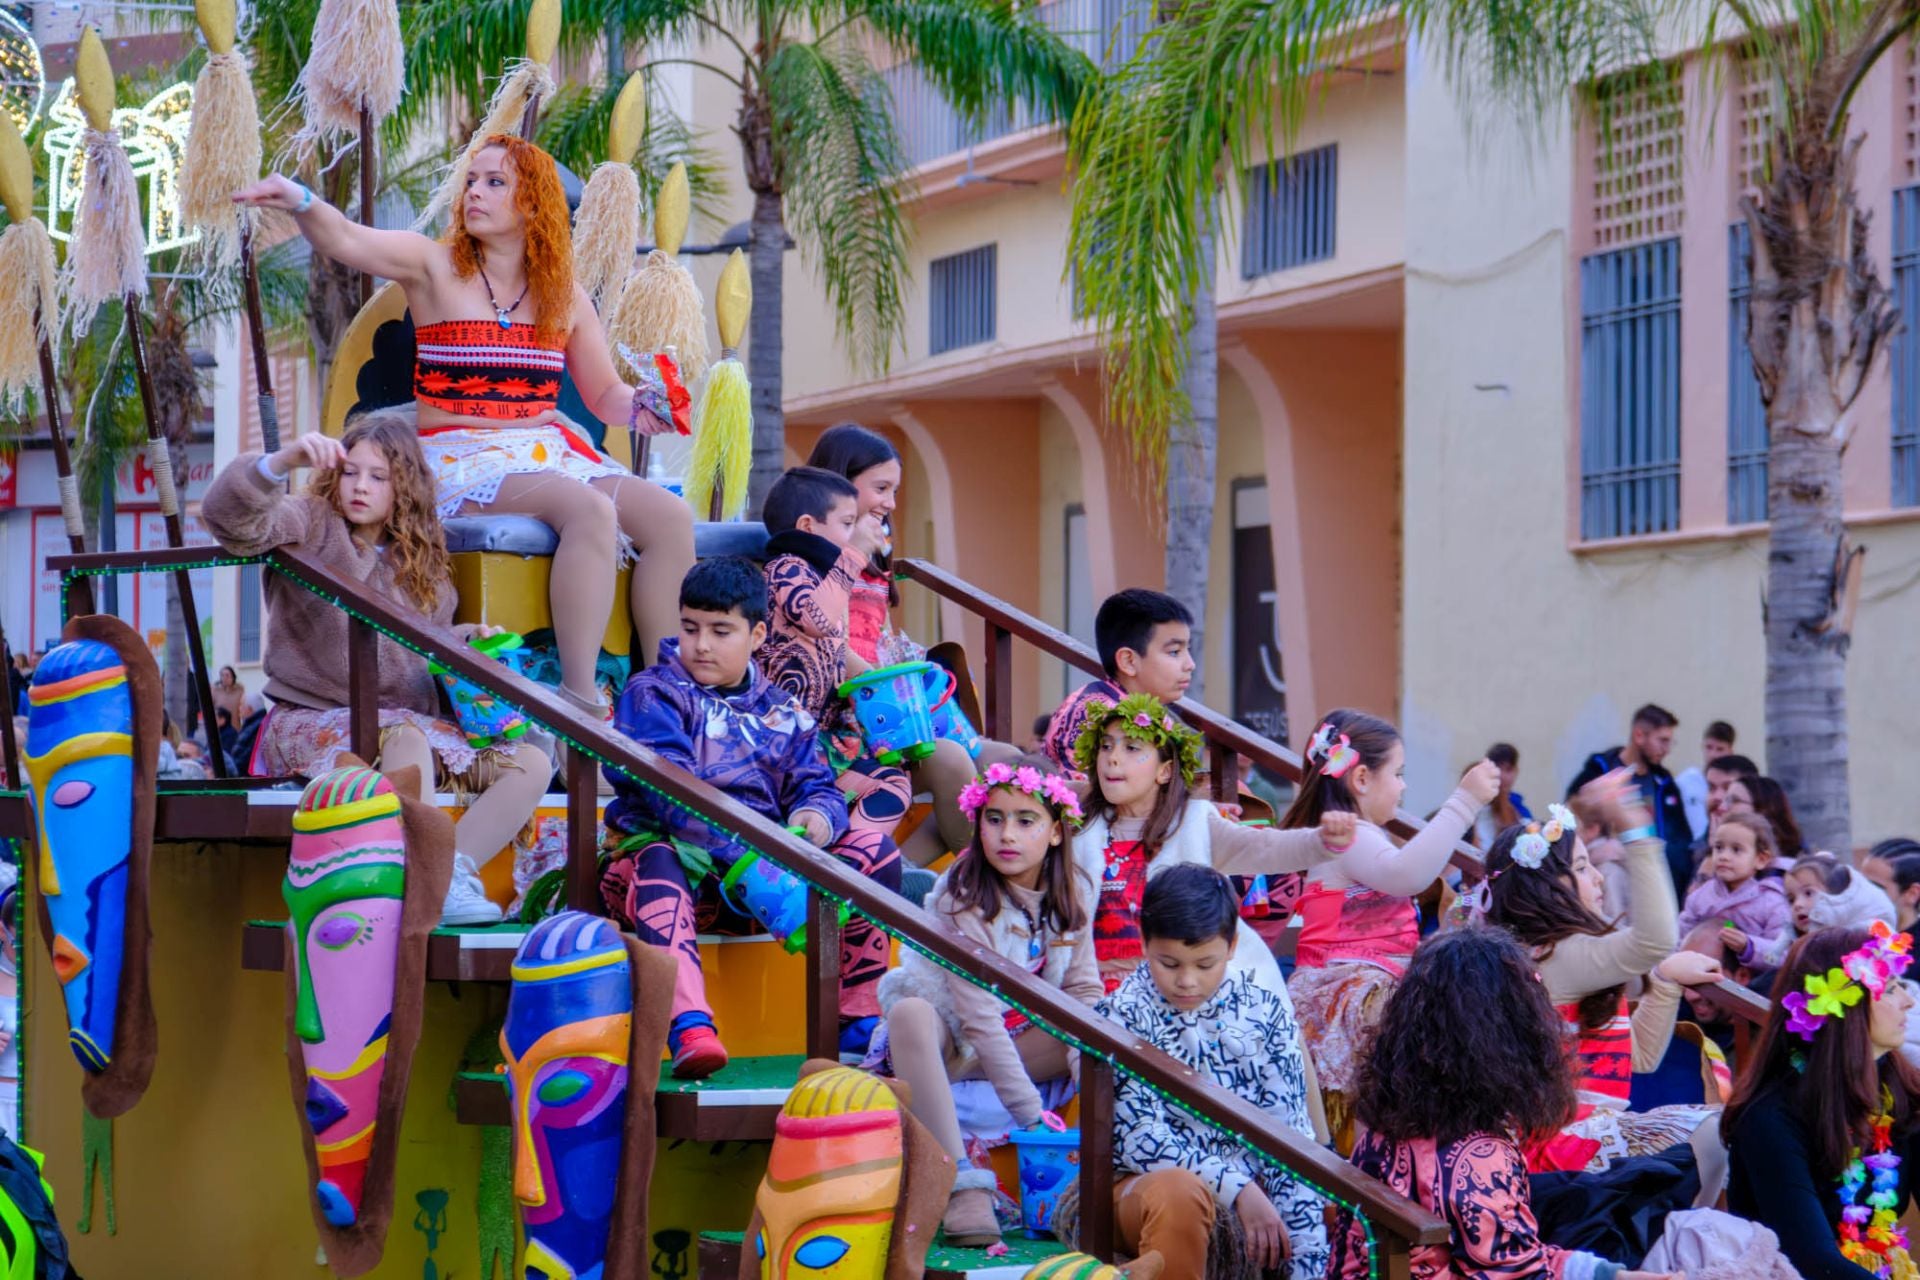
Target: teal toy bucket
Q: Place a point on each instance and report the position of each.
(1049, 1163)
(482, 718)
(892, 708)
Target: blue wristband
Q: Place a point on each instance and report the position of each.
(1639, 833)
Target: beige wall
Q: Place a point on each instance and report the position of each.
(1512, 633)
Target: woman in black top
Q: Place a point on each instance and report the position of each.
(1802, 1108)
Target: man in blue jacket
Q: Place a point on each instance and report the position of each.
(1651, 740)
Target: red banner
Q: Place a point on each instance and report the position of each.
(9, 476)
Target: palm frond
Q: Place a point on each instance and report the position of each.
(982, 55)
(840, 166)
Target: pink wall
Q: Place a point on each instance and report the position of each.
(982, 458)
(1330, 423)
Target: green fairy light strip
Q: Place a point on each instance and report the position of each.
(536, 714)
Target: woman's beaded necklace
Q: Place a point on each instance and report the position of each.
(1871, 1236)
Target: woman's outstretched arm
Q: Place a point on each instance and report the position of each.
(403, 256)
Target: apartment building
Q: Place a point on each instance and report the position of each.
(1491, 456)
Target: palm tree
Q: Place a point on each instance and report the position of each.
(815, 125)
(1152, 144)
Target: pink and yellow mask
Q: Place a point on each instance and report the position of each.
(345, 885)
(834, 1180)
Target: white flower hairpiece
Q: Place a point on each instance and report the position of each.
(1536, 842)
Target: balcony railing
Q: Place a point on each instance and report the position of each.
(1108, 31)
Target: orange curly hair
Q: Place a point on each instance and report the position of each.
(416, 543)
(542, 204)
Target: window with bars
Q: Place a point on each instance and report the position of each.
(1630, 391)
(246, 640)
(1638, 191)
(1291, 206)
(1746, 415)
(962, 294)
(1906, 348)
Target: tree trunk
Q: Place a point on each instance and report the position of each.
(769, 251)
(1191, 449)
(766, 255)
(1806, 654)
(1818, 320)
(176, 677)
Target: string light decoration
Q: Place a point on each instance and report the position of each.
(155, 135)
(23, 77)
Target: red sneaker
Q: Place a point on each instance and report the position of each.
(700, 1054)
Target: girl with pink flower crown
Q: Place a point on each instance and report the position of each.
(1014, 890)
(1141, 762)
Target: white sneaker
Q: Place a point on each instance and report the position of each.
(467, 901)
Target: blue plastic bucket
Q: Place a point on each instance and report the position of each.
(1049, 1163)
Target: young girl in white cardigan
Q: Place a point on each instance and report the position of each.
(1141, 763)
(1014, 890)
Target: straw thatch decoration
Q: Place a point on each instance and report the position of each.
(356, 59)
(723, 410)
(29, 300)
(107, 258)
(223, 155)
(605, 232)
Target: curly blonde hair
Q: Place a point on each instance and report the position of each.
(542, 204)
(416, 544)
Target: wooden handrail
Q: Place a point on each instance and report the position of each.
(1401, 1219)
(1222, 732)
(1744, 1005)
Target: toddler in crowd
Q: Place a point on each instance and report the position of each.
(1755, 923)
(367, 515)
(1015, 892)
(1177, 1174)
(707, 708)
(1144, 638)
(1825, 893)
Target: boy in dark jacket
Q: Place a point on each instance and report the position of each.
(707, 708)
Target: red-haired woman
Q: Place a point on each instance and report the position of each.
(498, 317)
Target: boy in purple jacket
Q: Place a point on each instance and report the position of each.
(706, 707)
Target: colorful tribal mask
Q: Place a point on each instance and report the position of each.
(834, 1180)
(345, 886)
(567, 1040)
(80, 764)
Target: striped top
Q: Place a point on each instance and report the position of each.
(476, 369)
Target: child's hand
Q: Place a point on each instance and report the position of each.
(1482, 783)
(869, 535)
(1267, 1243)
(817, 830)
(1690, 969)
(1734, 940)
(1336, 830)
(321, 452)
(1618, 801)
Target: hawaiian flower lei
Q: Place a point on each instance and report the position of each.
(1871, 1236)
(1871, 969)
(1532, 848)
(1048, 788)
(1145, 718)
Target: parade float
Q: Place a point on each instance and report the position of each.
(247, 1051)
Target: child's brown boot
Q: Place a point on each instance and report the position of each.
(970, 1221)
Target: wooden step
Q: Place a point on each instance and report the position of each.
(736, 1104)
(720, 1258)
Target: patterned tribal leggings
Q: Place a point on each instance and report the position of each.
(647, 890)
